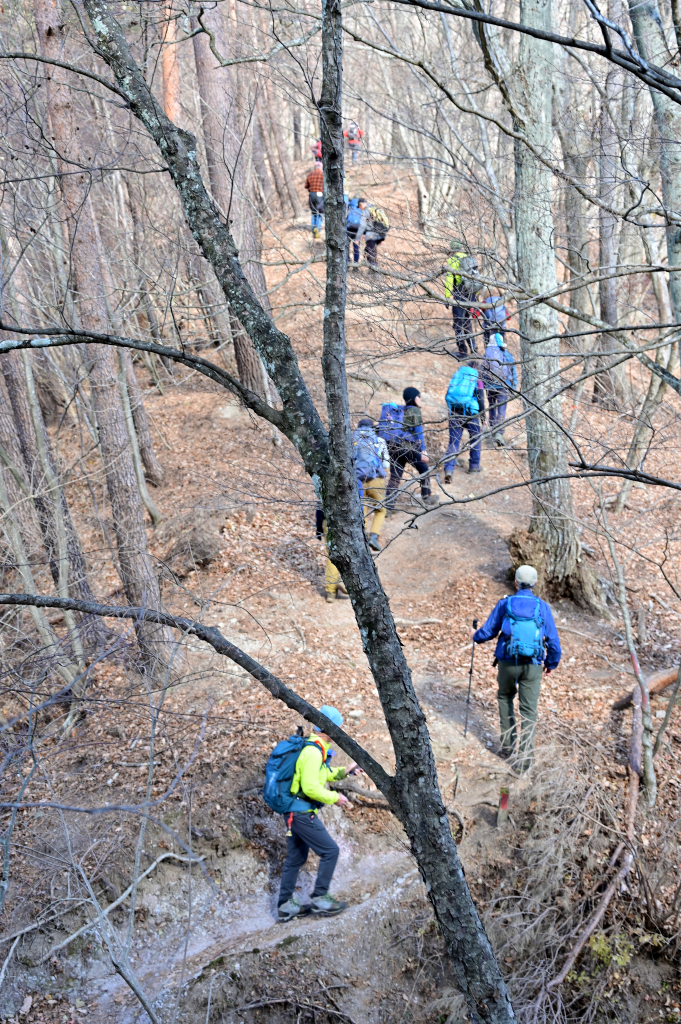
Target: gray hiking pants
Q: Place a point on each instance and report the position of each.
(525, 681)
(308, 834)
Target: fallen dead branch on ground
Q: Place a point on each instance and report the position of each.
(657, 682)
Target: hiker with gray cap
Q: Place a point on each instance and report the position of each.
(527, 644)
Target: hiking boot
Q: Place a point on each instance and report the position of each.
(499, 441)
(330, 597)
(475, 469)
(292, 908)
(507, 753)
(327, 905)
(448, 478)
(374, 542)
(341, 591)
(431, 501)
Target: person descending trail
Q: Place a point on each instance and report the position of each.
(466, 404)
(528, 641)
(372, 464)
(499, 374)
(314, 183)
(354, 135)
(295, 786)
(461, 288)
(401, 427)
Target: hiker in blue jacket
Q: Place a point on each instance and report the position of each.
(499, 375)
(527, 644)
(358, 222)
(466, 404)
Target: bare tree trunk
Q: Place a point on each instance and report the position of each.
(17, 480)
(137, 575)
(289, 178)
(171, 68)
(610, 387)
(262, 174)
(275, 170)
(153, 470)
(225, 162)
(297, 136)
(552, 508)
(47, 510)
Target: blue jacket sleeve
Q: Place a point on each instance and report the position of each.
(493, 624)
(553, 651)
(418, 430)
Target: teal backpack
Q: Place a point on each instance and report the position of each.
(461, 391)
(526, 638)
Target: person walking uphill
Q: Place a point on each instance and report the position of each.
(401, 427)
(527, 644)
(461, 288)
(314, 183)
(304, 794)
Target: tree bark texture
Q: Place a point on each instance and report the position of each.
(610, 386)
(153, 470)
(46, 509)
(652, 44)
(137, 575)
(226, 160)
(414, 791)
(552, 508)
(416, 798)
(171, 68)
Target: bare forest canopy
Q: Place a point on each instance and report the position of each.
(183, 361)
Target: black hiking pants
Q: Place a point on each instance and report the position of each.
(399, 457)
(308, 834)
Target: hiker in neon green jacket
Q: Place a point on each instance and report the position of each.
(461, 288)
(305, 828)
(312, 774)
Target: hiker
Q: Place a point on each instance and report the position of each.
(401, 427)
(316, 149)
(314, 183)
(379, 226)
(494, 316)
(357, 223)
(295, 786)
(499, 375)
(333, 585)
(372, 464)
(528, 641)
(466, 404)
(461, 289)
(354, 136)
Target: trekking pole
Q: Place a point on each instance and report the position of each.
(470, 682)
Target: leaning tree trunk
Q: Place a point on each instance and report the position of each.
(225, 161)
(552, 509)
(416, 797)
(413, 792)
(134, 563)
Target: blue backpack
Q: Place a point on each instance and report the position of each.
(526, 639)
(279, 772)
(497, 314)
(390, 425)
(461, 390)
(368, 461)
(354, 214)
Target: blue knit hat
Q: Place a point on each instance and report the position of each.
(333, 714)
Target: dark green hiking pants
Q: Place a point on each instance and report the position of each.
(525, 681)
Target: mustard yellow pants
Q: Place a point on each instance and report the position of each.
(374, 491)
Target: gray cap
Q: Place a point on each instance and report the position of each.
(526, 574)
